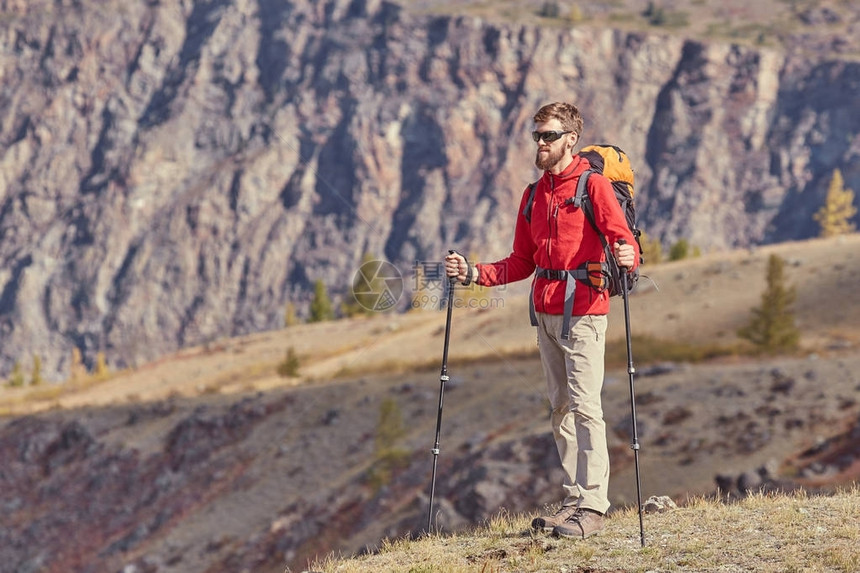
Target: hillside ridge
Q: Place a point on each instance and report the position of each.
(216, 463)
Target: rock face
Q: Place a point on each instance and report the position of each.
(177, 172)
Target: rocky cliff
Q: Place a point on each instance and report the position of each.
(171, 173)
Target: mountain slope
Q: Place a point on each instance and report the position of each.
(209, 461)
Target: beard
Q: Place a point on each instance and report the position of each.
(548, 160)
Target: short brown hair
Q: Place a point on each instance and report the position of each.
(567, 114)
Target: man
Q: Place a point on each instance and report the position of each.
(555, 239)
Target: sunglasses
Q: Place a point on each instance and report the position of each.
(548, 136)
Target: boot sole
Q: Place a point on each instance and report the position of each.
(557, 533)
(541, 525)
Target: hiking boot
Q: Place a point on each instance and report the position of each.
(548, 522)
(581, 524)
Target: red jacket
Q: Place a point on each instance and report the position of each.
(560, 237)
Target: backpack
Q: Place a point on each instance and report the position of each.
(614, 164)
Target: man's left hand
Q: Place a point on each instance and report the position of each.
(625, 255)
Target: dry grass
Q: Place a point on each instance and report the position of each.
(767, 533)
(773, 23)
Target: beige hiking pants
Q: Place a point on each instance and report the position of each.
(574, 376)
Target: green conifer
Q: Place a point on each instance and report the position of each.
(321, 308)
(36, 375)
(772, 328)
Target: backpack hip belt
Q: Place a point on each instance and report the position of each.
(570, 277)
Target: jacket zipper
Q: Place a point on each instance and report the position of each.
(549, 217)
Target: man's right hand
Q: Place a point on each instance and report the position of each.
(456, 266)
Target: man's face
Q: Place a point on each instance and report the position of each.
(550, 153)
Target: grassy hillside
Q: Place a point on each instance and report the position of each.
(776, 533)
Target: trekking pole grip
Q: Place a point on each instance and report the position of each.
(451, 279)
(468, 279)
(624, 275)
(624, 284)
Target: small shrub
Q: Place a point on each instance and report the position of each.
(549, 9)
(680, 250)
(16, 378)
(654, 14)
(289, 367)
(657, 16)
(575, 15)
(290, 316)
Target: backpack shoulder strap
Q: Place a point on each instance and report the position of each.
(582, 189)
(527, 210)
(583, 199)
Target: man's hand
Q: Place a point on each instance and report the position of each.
(456, 266)
(625, 255)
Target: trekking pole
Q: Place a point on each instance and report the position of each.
(630, 371)
(442, 379)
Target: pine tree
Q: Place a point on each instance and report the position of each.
(390, 427)
(389, 457)
(321, 309)
(102, 371)
(290, 316)
(76, 370)
(835, 215)
(772, 328)
(575, 15)
(36, 376)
